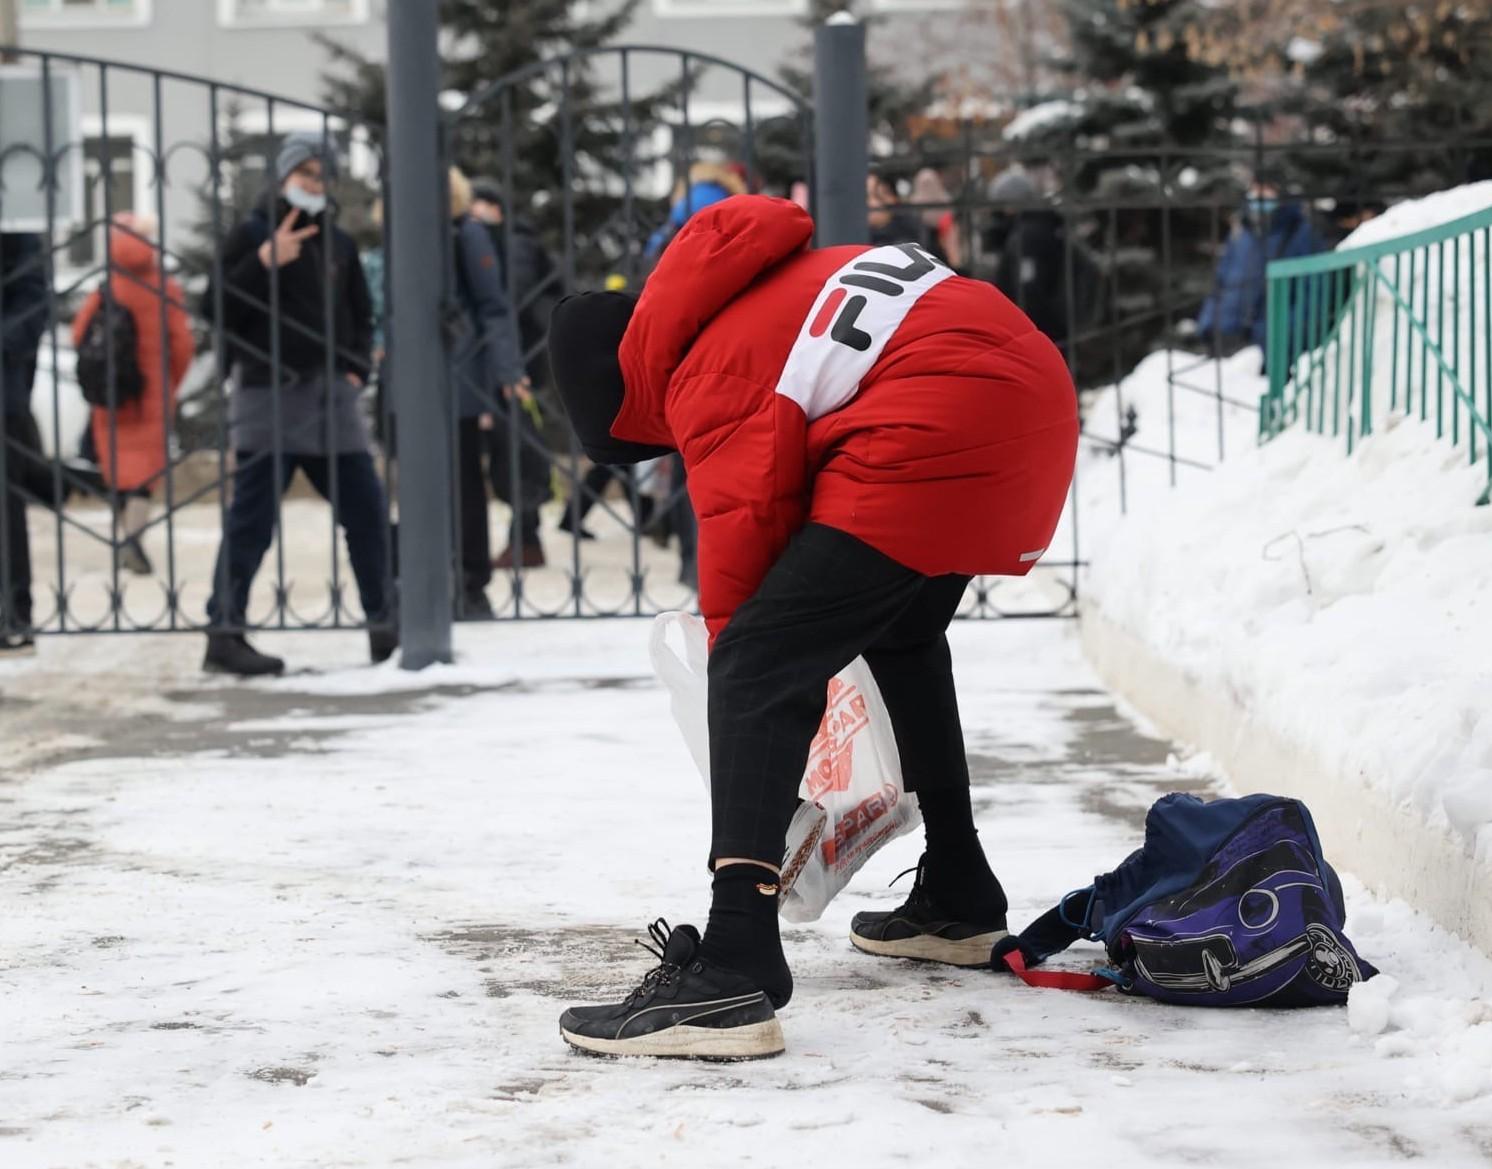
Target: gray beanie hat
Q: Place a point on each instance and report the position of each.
(1013, 185)
(303, 145)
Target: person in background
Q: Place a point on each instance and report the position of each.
(890, 222)
(24, 313)
(1266, 228)
(709, 182)
(281, 255)
(1029, 241)
(487, 363)
(130, 442)
(939, 223)
(534, 283)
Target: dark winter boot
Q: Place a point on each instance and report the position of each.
(231, 653)
(529, 556)
(382, 643)
(685, 1008)
(17, 645)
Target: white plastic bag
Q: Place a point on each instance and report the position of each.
(854, 800)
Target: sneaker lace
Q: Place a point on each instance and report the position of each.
(665, 972)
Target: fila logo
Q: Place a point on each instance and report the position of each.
(854, 316)
(874, 276)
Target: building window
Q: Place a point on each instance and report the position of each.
(279, 13)
(730, 7)
(43, 14)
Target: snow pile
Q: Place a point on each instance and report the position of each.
(1410, 1017)
(1042, 119)
(1341, 601)
(1447, 285)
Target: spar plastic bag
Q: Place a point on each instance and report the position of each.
(852, 792)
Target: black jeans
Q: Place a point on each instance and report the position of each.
(361, 512)
(27, 470)
(828, 599)
(471, 488)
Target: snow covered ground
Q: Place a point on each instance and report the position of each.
(1343, 601)
(330, 920)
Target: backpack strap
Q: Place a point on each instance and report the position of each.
(1049, 934)
(1015, 962)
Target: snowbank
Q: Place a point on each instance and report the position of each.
(1315, 618)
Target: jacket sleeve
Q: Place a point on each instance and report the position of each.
(499, 325)
(357, 351)
(25, 302)
(245, 280)
(748, 483)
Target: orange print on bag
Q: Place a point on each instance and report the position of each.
(832, 752)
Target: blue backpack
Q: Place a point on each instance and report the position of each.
(1228, 904)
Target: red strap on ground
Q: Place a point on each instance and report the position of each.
(1053, 979)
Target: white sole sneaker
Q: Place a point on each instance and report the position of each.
(752, 1041)
(970, 951)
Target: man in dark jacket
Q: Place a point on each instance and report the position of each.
(1029, 242)
(534, 283)
(297, 322)
(23, 321)
(487, 364)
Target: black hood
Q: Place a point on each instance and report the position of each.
(585, 333)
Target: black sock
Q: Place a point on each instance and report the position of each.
(956, 873)
(742, 931)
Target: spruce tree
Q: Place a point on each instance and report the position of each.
(483, 42)
(1147, 104)
(1408, 88)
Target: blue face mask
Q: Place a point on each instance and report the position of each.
(1263, 208)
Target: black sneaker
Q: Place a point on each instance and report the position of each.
(231, 653)
(920, 929)
(567, 524)
(684, 1008)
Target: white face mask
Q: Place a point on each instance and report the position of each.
(298, 196)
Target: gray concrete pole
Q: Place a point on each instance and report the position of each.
(417, 358)
(841, 130)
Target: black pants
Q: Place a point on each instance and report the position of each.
(27, 471)
(829, 598)
(361, 512)
(472, 519)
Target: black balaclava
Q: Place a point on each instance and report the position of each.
(584, 335)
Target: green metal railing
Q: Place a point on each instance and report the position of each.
(1403, 325)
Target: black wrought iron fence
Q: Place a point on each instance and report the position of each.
(177, 340)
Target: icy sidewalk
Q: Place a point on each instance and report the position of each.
(331, 921)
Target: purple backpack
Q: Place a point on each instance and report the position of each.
(1228, 904)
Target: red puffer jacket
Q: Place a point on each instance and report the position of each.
(869, 389)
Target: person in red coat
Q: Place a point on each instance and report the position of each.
(133, 455)
(864, 431)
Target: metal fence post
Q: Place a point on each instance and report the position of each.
(841, 131)
(416, 349)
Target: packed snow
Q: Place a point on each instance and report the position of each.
(1341, 599)
(300, 925)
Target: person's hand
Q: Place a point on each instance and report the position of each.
(286, 245)
(522, 390)
(355, 379)
(485, 422)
